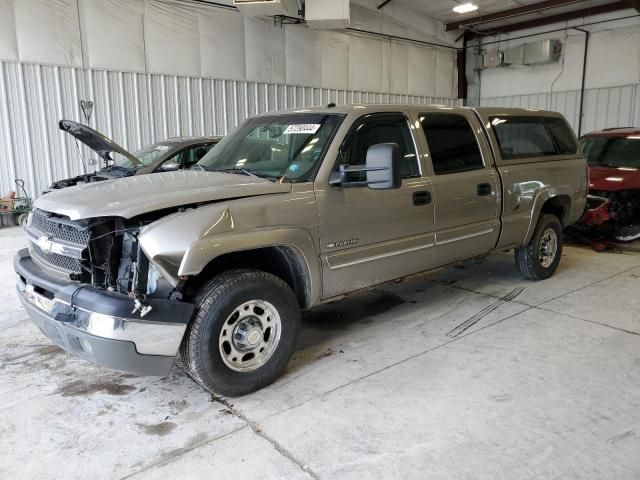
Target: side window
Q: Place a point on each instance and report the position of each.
(381, 128)
(530, 137)
(452, 143)
(191, 155)
(561, 133)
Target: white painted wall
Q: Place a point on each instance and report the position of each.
(175, 37)
(613, 60)
(161, 68)
(612, 77)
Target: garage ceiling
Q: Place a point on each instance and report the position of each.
(495, 16)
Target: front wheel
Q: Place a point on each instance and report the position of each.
(244, 333)
(540, 258)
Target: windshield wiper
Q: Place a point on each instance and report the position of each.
(244, 171)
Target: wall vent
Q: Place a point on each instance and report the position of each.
(327, 14)
(258, 8)
(544, 51)
(514, 55)
(493, 58)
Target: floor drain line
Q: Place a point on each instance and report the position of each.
(258, 431)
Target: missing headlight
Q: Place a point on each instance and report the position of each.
(152, 279)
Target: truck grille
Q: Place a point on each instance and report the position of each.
(56, 261)
(60, 230)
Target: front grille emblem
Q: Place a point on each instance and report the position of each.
(45, 244)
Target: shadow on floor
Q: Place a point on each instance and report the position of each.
(332, 320)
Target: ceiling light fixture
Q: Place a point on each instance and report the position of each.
(465, 8)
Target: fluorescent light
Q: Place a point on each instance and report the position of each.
(614, 179)
(465, 8)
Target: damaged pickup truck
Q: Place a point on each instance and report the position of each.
(291, 210)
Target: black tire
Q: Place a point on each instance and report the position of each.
(216, 302)
(528, 257)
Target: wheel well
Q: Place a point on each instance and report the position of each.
(286, 263)
(560, 206)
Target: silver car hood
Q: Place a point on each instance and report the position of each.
(132, 196)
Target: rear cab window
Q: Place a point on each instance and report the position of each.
(526, 137)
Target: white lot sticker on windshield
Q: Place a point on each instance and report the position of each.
(306, 128)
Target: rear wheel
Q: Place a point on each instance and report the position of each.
(540, 258)
(244, 333)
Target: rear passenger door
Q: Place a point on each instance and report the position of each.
(466, 186)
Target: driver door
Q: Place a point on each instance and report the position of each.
(371, 236)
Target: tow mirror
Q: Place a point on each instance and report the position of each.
(382, 169)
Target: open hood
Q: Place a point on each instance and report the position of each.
(132, 196)
(97, 142)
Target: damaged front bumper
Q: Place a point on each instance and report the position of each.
(597, 211)
(97, 325)
(614, 217)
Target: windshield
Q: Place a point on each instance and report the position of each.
(146, 156)
(612, 151)
(286, 148)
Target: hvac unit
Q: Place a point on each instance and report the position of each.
(514, 55)
(493, 58)
(258, 8)
(544, 51)
(327, 14)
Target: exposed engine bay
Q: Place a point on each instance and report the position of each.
(99, 176)
(103, 252)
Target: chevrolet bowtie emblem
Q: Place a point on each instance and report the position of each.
(45, 244)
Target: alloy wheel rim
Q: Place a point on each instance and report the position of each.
(548, 248)
(250, 335)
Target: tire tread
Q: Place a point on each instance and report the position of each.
(526, 256)
(209, 293)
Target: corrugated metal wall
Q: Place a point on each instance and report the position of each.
(132, 108)
(603, 107)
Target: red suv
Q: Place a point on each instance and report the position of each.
(613, 156)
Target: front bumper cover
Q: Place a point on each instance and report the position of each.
(97, 325)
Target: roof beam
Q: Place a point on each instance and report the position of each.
(514, 12)
(634, 4)
(538, 22)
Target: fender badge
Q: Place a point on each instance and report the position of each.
(343, 243)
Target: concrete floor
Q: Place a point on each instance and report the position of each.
(470, 372)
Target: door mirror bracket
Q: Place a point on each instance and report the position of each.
(382, 169)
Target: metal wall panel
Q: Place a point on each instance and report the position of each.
(134, 109)
(603, 107)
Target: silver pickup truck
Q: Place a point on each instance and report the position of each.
(291, 210)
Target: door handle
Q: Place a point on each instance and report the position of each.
(484, 189)
(421, 198)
